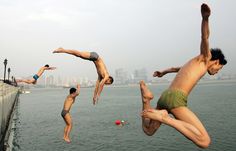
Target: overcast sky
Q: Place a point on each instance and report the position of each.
(129, 34)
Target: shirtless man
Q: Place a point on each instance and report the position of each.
(65, 113)
(103, 75)
(174, 99)
(36, 76)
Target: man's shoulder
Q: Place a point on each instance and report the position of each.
(69, 98)
(197, 63)
(201, 59)
(204, 58)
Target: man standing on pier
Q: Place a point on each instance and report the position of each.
(174, 99)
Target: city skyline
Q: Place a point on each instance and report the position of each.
(121, 76)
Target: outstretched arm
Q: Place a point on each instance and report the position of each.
(205, 11)
(100, 88)
(41, 70)
(78, 89)
(162, 73)
(101, 85)
(95, 92)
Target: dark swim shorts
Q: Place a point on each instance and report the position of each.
(64, 112)
(93, 56)
(171, 99)
(35, 77)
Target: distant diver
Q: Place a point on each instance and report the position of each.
(34, 79)
(103, 75)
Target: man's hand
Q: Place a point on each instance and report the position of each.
(158, 74)
(78, 89)
(50, 68)
(95, 99)
(205, 10)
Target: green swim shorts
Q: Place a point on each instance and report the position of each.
(171, 99)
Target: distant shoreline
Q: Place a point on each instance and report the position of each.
(201, 82)
(217, 81)
(167, 83)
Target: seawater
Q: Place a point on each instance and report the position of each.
(39, 126)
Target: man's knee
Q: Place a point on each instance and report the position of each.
(205, 142)
(32, 81)
(148, 131)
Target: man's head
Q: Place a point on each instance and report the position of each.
(46, 65)
(217, 61)
(109, 80)
(73, 92)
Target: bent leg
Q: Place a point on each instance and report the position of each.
(68, 127)
(77, 53)
(186, 122)
(149, 126)
(189, 125)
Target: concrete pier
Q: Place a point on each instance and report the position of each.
(8, 97)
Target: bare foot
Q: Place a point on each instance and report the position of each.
(67, 139)
(58, 50)
(145, 92)
(159, 115)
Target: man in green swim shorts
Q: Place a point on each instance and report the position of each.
(174, 99)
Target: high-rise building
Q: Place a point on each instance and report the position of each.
(59, 81)
(41, 81)
(121, 76)
(140, 74)
(50, 81)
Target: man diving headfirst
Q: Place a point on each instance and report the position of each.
(103, 75)
(174, 99)
(36, 76)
